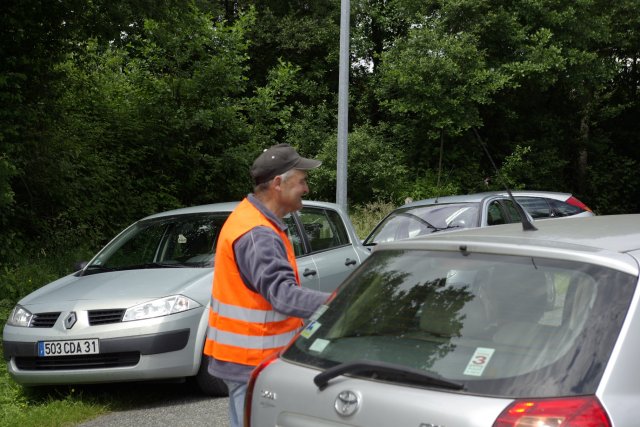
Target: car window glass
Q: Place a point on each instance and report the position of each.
(495, 215)
(181, 240)
(564, 209)
(192, 241)
(536, 206)
(324, 228)
(500, 325)
(294, 235)
(514, 215)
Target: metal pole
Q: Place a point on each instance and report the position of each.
(343, 105)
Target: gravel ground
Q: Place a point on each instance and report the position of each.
(168, 405)
(188, 412)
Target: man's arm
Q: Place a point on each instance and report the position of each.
(265, 268)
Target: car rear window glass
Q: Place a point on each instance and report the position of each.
(500, 325)
(564, 209)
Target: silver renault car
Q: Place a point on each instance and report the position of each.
(457, 330)
(138, 310)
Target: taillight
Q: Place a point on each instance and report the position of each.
(251, 384)
(566, 412)
(575, 202)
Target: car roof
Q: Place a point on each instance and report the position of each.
(478, 197)
(604, 240)
(228, 207)
(537, 193)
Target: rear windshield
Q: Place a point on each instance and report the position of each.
(499, 325)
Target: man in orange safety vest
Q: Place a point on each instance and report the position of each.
(257, 303)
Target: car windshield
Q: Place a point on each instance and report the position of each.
(174, 241)
(415, 221)
(494, 325)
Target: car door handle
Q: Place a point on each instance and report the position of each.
(350, 261)
(309, 272)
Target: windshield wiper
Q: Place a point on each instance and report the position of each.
(385, 371)
(94, 268)
(151, 265)
(422, 221)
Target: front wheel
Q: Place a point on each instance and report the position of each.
(207, 383)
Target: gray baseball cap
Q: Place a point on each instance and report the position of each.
(277, 160)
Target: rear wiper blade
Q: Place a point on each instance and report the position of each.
(386, 371)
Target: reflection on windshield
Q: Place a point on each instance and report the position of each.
(170, 242)
(495, 324)
(421, 220)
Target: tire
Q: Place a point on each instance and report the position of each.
(207, 383)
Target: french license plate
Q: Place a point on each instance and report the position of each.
(68, 348)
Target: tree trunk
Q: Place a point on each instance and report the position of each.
(583, 153)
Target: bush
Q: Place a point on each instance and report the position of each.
(35, 271)
(365, 217)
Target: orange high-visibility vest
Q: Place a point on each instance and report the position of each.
(243, 326)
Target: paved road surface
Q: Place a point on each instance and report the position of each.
(181, 407)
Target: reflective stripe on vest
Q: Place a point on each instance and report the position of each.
(250, 342)
(246, 314)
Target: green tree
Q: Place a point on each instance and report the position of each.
(145, 120)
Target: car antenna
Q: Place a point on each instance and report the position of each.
(527, 225)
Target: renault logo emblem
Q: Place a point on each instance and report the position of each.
(70, 320)
(347, 403)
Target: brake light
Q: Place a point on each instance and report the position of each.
(575, 202)
(251, 384)
(566, 412)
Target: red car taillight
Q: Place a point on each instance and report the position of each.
(575, 202)
(566, 412)
(251, 384)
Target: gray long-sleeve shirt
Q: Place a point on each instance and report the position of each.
(264, 267)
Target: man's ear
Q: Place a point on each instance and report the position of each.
(277, 182)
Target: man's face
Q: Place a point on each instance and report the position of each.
(292, 189)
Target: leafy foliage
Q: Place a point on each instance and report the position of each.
(115, 110)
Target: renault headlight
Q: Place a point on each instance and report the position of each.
(160, 307)
(20, 316)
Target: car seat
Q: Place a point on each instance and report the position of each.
(518, 301)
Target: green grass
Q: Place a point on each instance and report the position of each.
(22, 407)
(51, 406)
(65, 406)
(62, 406)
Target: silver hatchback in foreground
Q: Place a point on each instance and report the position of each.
(456, 330)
